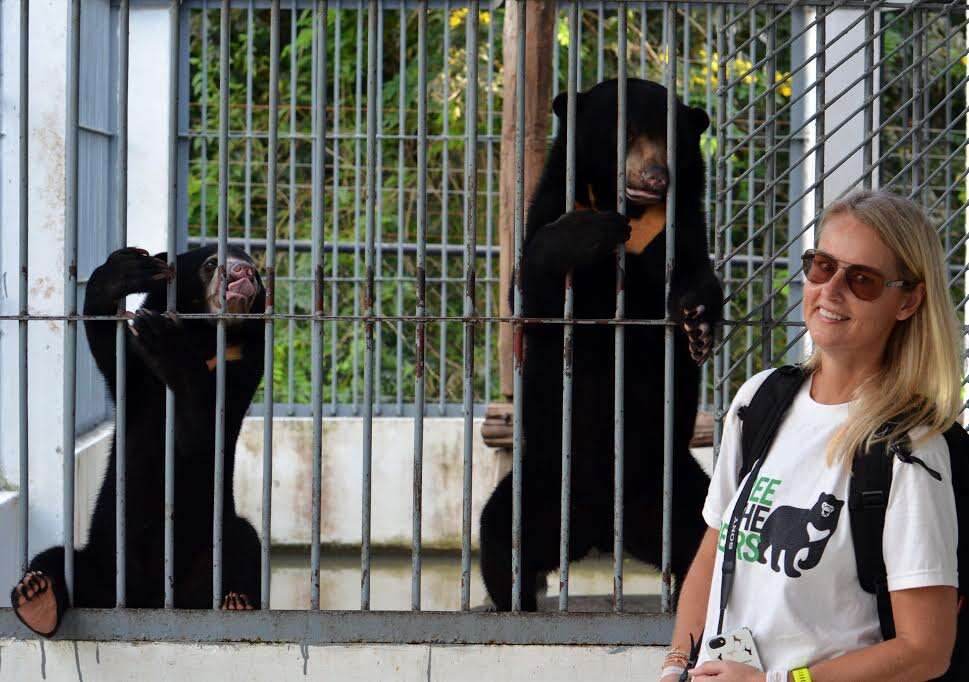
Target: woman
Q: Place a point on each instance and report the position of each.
(885, 341)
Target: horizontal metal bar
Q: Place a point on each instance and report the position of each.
(347, 410)
(262, 134)
(305, 245)
(591, 4)
(351, 627)
(479, 319)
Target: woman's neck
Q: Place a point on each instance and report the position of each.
(836, 378)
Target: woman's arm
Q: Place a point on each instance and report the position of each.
(925, 633)
(691, 610)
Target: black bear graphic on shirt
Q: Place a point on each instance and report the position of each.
(786, 531)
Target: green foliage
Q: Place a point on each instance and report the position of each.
(755, 208)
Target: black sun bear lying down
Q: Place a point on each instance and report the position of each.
(164, 351)
(585, 242)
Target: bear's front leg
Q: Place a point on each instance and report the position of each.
(574, 241)
(160, 341)
(699, 307)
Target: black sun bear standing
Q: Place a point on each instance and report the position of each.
(585, 241)
(179, 353)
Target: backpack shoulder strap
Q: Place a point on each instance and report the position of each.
(762, 416)
(871, 482)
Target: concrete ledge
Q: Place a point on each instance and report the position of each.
(150, 662)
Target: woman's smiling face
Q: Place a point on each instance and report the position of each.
(840, 322)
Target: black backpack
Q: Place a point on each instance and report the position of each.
(871, 482)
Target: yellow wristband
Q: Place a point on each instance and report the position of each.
(801, 675)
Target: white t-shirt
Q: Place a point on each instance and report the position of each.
(804, 604)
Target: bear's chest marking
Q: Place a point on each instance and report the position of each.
(232, 354)
(644, 229)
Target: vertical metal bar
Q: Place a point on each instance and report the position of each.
(686, 55)
(516, 462)
(316, 350)
(173, 18)
(470, 243)
(270, 331)
(445, 203)
(619, 418)
(728, 217)
(644, 30)
(24, 282)
(918, 56)
(600, 40)
(869, 100)
(421, 311)
(752, 161)
(566, 487)
(767, 314)
(489, 203)
(401, 226)
(120, 368)
(204, 104)
(720, 360)
(372, 95)
(218, 506)
(378, 220)
(70, 289)
(670, 231)
(357, 165)
(291, 269)
(708, 185)
(334, 253)
(948, 121)
(820, 60)
(248, 142)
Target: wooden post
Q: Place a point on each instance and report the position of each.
(540, 20)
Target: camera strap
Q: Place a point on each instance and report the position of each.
(729, 565)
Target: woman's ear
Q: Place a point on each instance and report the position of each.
(913, 300)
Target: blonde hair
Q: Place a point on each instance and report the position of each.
(920, 381)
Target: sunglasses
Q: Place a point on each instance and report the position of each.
(864, 282)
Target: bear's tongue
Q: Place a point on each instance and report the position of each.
(241, 288)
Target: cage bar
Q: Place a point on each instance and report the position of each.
(270, 329)
(669, 16)
(619, 418)
(120, 354)
(70, 289)
(219, 477)
(22, 334)
(568, 330)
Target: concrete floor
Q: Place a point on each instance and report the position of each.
(590, 582)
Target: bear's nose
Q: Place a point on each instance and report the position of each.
(240, 269)
(656, 179)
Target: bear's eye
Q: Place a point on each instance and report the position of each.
(209, 265)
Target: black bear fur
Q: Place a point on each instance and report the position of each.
(585, 242)
(163, 350)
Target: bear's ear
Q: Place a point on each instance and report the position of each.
(161, 256)
(698, 118)
(560, 105)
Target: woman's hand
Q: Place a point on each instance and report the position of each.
(726, 671)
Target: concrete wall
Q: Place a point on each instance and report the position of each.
(342, 490)
(147, 662)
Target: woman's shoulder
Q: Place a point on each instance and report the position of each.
(931, 449)
(747, 390)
